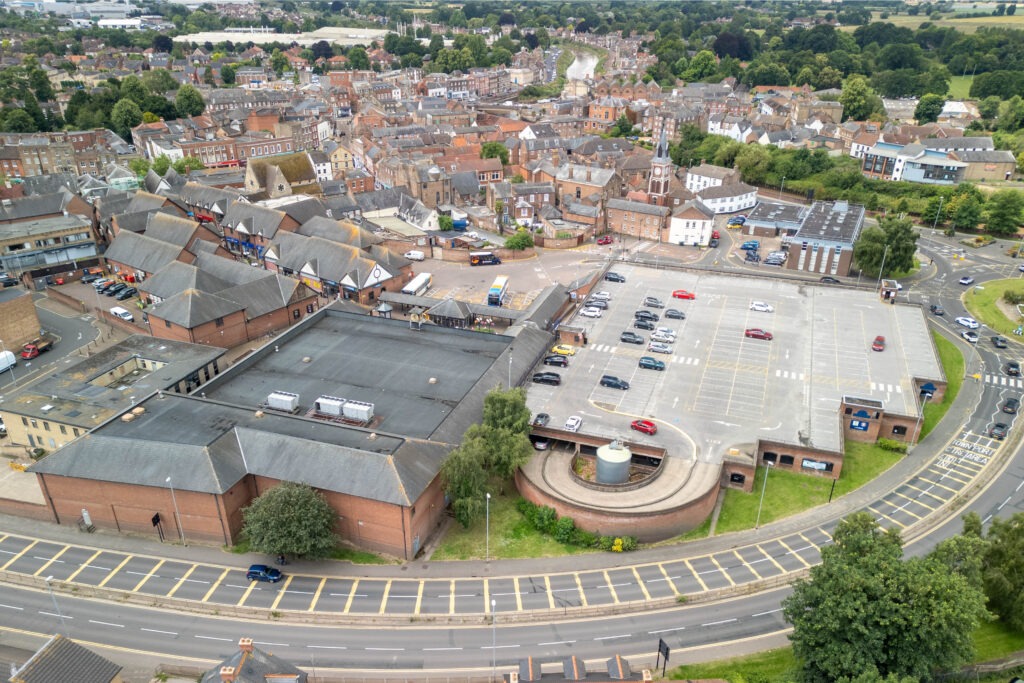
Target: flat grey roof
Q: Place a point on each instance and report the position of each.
(776, 212)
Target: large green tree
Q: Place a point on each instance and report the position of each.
(290, 519)
(464, 476)
(124, 116)
(494, 150)
(189, 101)
(865, 609)
(893, 241)
(928, 108)
(1003, 212)
(858, 99)
(1004, 570)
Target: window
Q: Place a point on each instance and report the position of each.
(167, 324)
(309, 308)
(219, 322)
(53, 444)
(63, 429)
(24, 421)
(46, 426)
(899, 430)
(786, 460)
(296, 314)
(769, 456)
(75, 430)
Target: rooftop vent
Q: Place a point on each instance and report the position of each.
(127, 417)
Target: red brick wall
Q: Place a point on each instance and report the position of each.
(231, 333)
(799, 454)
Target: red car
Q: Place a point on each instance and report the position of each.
(645, 426)
(757, 333)
(715, 235)
(605, 239)
(683, 294)
(878, 344)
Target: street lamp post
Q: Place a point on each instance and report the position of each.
(920, 419)
(177, 513)
(938, 213)
(56, 607)
(487, 533)
(494, 639)
(767, 469)
(510, 367)
(881, 270)
(782, 186)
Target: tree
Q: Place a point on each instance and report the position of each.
(703, 65)
(159, 81)
(358, 59)
(1004, 212)
(494, 150)
(507, 420)
(1004, 570)
(278, 62)
(965, 211)
(186, 164)
(865, 609)
(445, 223)
(893, 241)
(928, 108)
(139, 166)
(18, 121)
(464, 477)
(858, 99)
(522, 239)
(290, 519)
(161, 164)
(189, 101)
(227, 74)
(162, 43)
(149, 117)
(133, 88)
(124, 116)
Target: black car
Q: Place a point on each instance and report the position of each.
(646, 315)
(597, 303)
(126, 293)
(936, 309)
(552, 378)
(753, 257)
(555, 359)
(651, 363)
(1012, 368)
(713, 242)
(998, 430)
(642, 324)
(1011, 405)
(829, 280)
(614, 382)
(541, 420)
(110, 285)
(999, 342)
(111, 291)
(611, 276)
(8, 281)
(631, 338)
(675, 314)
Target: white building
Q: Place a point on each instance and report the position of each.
(691, 224)
(707, 175)
(728, 198)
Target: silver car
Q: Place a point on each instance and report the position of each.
(662, 337)
(659, 347)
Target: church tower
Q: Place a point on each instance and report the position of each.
(661, 172)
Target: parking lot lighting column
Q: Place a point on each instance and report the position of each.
(882, 269)
(767, 469)
(56, 607)
(782, 186)
(181, 530)
(487, 533)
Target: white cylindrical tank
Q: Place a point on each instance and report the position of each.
(613, 463)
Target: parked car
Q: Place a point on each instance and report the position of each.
(642, 324)
(752, 257)
(713, 242)
(683, 294)
(737, 220)
(673, 314)
(115, 289)
(605, 239)
(645, 426)
(560, 361)
(414, 255)
(591, 312)
(539, 443)
(649, 363)
(715, 235)
(998, 430)
(101, 283)
(563, 350)
(614, 382)
(967, 280)
(552, 378)
(646, 315)
(969, 323)
(574, 423)
(758, 333)
(1012, 368)
(90, 278)
(261, 572)
(761, 306)
(1011, 405)
(774, 262)
(628, 337)
(653, 302)
(659, 347)
(937, 309)
(597, 303)
(751, 245)
(828, 280)
(970, 336)
(126, 293)
(541, 420)
(664, 338)
(601, 296)
(878, 344)
(614, 277)
(8, 281)
(999, 342)
(667, 331)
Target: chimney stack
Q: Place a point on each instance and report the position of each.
(245, 645)
(227, 674)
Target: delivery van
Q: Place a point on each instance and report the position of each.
(122, 313)
(7, 360)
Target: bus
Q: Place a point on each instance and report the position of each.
(498, 291)
(483, 258)
(418, 285)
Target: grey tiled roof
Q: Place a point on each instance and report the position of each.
(141, 252)
(192, 308)
(62, 659)
(256, 667)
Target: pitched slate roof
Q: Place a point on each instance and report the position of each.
(178, 277)
(62, 659)
(171, 229)
(191, 308)
(253, 219)
(141, 252)
(344, 232)
(256, 666)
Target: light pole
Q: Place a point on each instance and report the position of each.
(938, 213)
(920, 419)
(510, 367)
(181, 531)
(782, 186)
(487, 533)
(767, 469)
(882, 269)
(56, 607)
(494, 639)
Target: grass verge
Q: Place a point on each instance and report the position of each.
(339, 553)
(954, 366)
(960, 87)
(982, 302)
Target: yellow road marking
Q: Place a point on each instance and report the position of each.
(351, 594)
(926, 493)
(792, 552)
(18, 556)
(487, 597)
(111, 574)
(640, 582)
(884, 516)
(719, 568)
(3, 538)
(214, 586)
(901, 508)
(316, 595)
(181, 581)
(519, 598)
(89, 561)
(52, 560)
(419, 599)
(940, 484)
(808, 541)
(551, 596)
(951, 474)
(245, 595)
(827, 534)
(770, 558)
(668, 579)
(579, 587)
(913, 500)
(689, 566)
(384, 599)
(451, 598)
(608, 581)
(152, 572)
(747, 565)
(280, 593)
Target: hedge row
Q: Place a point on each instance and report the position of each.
(563, 529)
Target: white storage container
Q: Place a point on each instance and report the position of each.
(330, 405)
(283, 400)
(357, 410)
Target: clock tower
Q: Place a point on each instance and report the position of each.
(661, 172)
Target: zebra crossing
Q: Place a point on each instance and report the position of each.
(888, 388)
(679, 360)
(790, 374)
(1003, 381)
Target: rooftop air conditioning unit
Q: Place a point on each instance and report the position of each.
(330, 405)
(283, 400)
(357, 410)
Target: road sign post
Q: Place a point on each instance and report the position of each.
(662, 659)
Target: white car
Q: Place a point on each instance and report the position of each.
(664, 338)
(591, 312)
(601, 296)
(1021, 267)
(659, 347)
(970, 336)
(967, 280)
(667, 331)
(414, 255)
(574, 423)
(969, 323)
(761, 306)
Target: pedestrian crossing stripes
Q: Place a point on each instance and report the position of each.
(679, 360)
(890, 388)
(1002, 381)
(786, 374)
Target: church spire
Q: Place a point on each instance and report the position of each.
(661, 151)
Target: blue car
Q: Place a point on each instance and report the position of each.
(261, 572)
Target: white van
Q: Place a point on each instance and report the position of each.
(7, 360)
(122, 313)
(414, 255)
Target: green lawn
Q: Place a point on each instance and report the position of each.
(960, 87)
(953, 365)
(981, 302)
